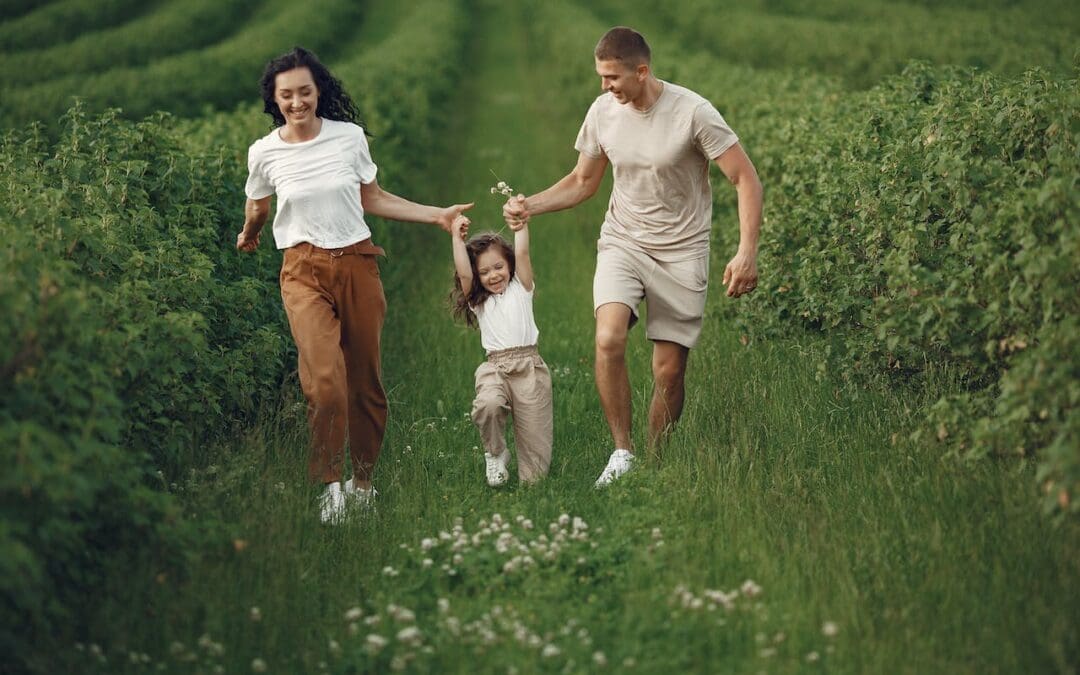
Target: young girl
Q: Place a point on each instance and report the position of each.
(493, 289)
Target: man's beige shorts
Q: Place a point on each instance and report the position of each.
(674, 292)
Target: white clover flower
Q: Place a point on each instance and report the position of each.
(767, 652)
(501, 185)
(427, 544)
(258, 665)
(564, 519)
(354, 614)
(255, 614)
(389, 571)
(656, 533)
(812, 657)
(410, 636)
(372, 620)
(444, 605)
(550, 651)
(599, 659)
(829, 629)
(527, 524)
(426, 563)
(750, 589)
(334, 647)
(375, 642)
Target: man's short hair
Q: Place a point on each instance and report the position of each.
(625, 45)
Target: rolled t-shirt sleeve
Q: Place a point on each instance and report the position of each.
(258, 184)
(711, 133)
(365, 166)
(588, 138)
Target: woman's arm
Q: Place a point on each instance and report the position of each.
(459, 229)
(256, 212)
(379, 202)
(523, 263)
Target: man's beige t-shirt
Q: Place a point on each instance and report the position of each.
(661, 202)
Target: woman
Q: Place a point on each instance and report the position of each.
(316, 161)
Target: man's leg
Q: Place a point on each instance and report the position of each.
(612, 380)
(669, 373)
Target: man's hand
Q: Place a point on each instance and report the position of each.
(247, 242)
(740, 275)
(446, 216)
(516, 212)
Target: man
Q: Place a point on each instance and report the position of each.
(654, 243)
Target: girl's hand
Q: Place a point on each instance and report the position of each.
(459, 227)
(445, 217)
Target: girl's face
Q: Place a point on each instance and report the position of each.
(296, 96)
(493, 270)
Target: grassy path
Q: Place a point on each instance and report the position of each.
(919, 565)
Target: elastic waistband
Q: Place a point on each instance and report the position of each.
(501, 355)
(365, 247)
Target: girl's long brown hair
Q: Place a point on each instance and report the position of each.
(460, 300)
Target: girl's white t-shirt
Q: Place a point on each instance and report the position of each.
(317, 184)
(506, 320)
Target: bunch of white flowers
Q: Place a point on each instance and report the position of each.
(502, 188)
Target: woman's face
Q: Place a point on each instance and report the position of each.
(296, 96)
(493, 269)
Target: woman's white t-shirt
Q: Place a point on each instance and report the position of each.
(506, 320)
(317, 183)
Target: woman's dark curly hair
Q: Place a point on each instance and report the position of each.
(460, 301)
(334, 103)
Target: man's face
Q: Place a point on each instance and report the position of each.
(622, 81)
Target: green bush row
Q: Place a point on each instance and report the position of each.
(176, 26)
(188, 84)
(931, 222)
(135, 334)
(864, 42)
(13, 9)
(62, 20)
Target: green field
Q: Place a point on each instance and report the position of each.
(879, 462)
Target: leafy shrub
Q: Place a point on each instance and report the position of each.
(133, 333)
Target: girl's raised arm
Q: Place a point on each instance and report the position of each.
(523, 263)
(459, 228)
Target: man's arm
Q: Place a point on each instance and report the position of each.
(379, 202)
(574, 188)
(256, 212)
(740, 275)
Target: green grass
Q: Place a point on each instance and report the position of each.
(809, 489)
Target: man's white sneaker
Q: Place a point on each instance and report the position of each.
(362, 497)
(619, 463)
(332, 504)
(497, 474)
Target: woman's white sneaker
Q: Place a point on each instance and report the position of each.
(332, 504)
(497, 473)
(619, 463)
(362, 497)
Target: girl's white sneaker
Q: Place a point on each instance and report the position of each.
(497, 473)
